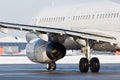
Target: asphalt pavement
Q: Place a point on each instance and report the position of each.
(63, 72)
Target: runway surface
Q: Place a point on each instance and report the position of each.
(63, 72)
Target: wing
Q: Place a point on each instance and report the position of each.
(85, 35)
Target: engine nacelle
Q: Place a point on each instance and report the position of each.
(41, 51)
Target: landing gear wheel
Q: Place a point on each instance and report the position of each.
(94, 65)
(51, 66)
(84, 65)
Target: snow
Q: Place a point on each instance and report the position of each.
(66, 60)
(14, 60)
(103, 59)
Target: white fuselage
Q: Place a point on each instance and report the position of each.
(103, 18)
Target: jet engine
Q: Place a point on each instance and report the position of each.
(41, 51)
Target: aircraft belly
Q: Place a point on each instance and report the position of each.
(104, 47)
(72, 45)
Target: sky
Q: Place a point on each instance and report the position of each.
(23, 11)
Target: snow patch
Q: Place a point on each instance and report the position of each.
(66, 60)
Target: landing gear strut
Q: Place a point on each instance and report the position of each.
(86, 63)
(51, 66)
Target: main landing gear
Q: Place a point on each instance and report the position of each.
(86, 63)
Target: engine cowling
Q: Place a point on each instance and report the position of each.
(41, 51)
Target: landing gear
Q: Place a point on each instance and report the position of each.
(94, 65)
(86, 63)
(51, 66)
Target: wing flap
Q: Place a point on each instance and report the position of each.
(98, 38)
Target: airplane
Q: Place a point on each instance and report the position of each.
(83, 27)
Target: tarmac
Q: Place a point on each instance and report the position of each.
(21, 68)
(63, 72)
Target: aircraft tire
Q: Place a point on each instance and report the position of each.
(94, 65)
(51, 66)
(84, 65)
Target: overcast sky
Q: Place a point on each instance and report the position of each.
(22, 11)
